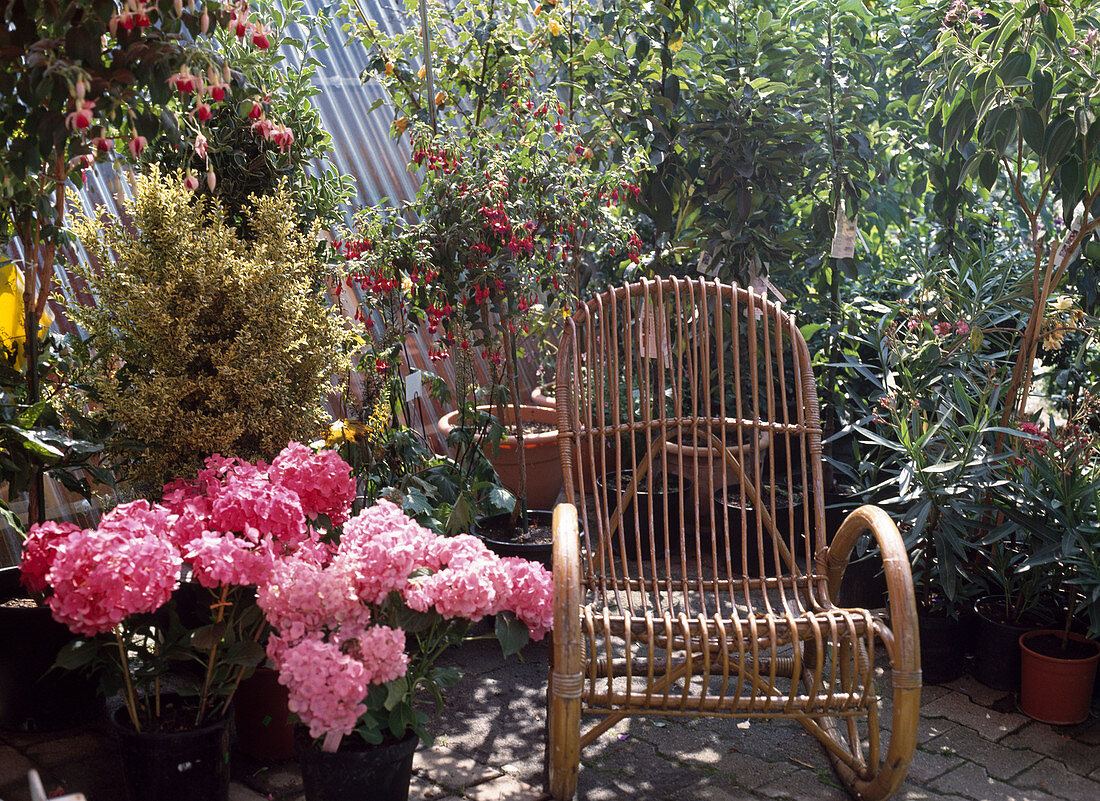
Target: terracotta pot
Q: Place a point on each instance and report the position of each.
(696, 463)
(264, 728)
(1053, 689)
(544, 396)
(544, 478)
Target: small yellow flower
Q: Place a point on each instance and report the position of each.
(401, 123)
(339, 432)
(554, 27)
(1053, 340)
(420, 73)
(441, 99)
(1064, 303)
(406, 284)
(389, 68)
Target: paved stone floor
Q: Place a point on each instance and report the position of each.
(974, 745)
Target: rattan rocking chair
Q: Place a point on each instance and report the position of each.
(692, 574)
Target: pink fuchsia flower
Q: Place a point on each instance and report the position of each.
(136, 145)
(39, 551)
(200, 146)
(190, 182)
(283, 137)
(942, 329)
(82, 117)
(962, 327)
(100, 578)
(103, 144)
(327, 687)
(202, 112)
(321, 480)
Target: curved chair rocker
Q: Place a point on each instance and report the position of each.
(691, 570)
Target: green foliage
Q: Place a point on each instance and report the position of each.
(53, 436)
(221, 345)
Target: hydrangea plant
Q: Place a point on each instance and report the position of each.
(228, 530)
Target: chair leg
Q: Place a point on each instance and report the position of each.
(564, 721)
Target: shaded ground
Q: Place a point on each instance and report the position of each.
(974, 745)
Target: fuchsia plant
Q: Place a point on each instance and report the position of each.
(358, 625)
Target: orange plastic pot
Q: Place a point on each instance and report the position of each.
(1053, 689)
(543, 460)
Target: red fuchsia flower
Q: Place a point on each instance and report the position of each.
(259, 36)
(962, 327)
(202, 112)
(283, 137)
(217, 92)
(190, 182)
(183, 81)
(256, 111)
(82, 117)
(263, 127)
(200, 146)
(136, 145)
(380, 366)
(103, 144)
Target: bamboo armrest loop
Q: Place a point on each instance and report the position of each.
(566, 685)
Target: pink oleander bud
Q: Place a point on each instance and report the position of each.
(227, 76)
(204, 22)
(81, 88)
(191, 182)
(136, 145)
(211, 180)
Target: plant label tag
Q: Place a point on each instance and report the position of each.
(844, 239)
(414, 385)
(650, 333)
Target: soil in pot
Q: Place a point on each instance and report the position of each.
(996, 646)
(357, 771)
(180, 765)
(504, 538)
(32, 696)
(1055, 681)
(654, 507)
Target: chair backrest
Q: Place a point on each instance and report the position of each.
(690, 441)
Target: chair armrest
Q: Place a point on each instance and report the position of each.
(567, 575)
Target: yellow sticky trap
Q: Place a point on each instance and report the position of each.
(12, 331)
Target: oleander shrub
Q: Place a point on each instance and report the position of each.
(214, 344)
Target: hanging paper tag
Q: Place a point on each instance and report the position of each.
(650, 333)
(414, 384)
(844, 239)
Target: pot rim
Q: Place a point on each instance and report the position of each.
(1073, 635)
(121, 725)
(528, 412)
(763, 443)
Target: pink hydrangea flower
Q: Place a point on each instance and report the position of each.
(381, 650)
(321, 479)
(100, 578)
(532, 596)
(39, 551)
(302, 598)
(254, 506)
(218, 559)
(327, 687)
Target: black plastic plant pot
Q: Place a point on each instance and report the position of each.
(535, 544)
(654, 505)
(174, 766)
(32, 696)
(997, 646)
(729, 505)
(941, 648)
(359, 773)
